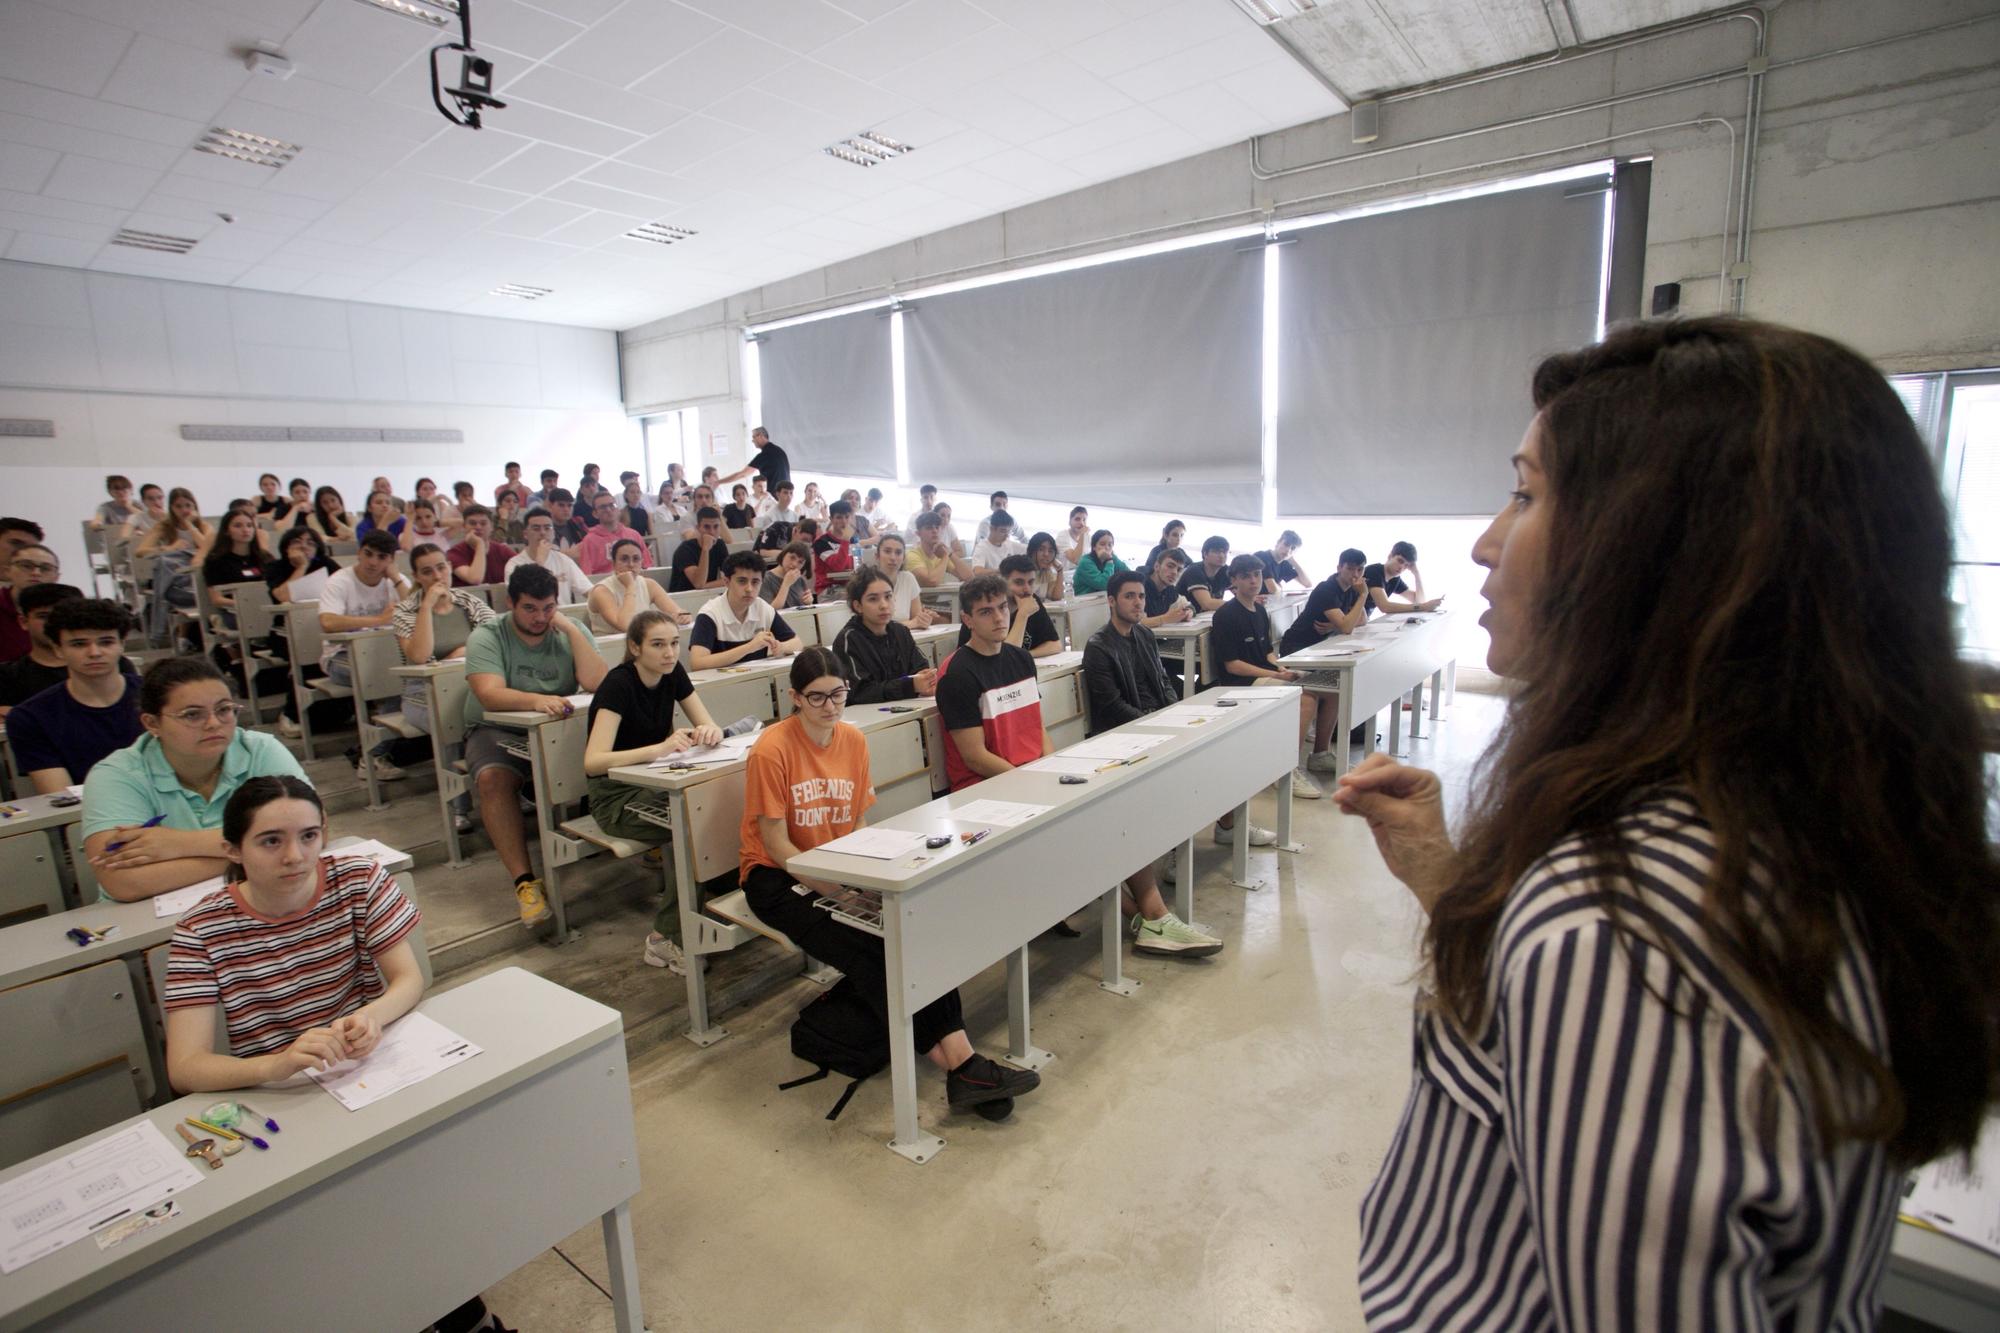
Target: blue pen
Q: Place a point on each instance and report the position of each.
(154, 822)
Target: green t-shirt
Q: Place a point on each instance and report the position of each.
(496, 650)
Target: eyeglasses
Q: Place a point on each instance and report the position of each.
(224, 713)
(821, 698)
(38, 566)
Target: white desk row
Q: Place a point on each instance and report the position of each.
(390, 1216)
(36, 873)
(1384, 662)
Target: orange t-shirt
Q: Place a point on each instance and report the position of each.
(820, 793)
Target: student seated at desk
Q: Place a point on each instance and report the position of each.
(876, 651)
(482, 557)
(995, 541)
(934, 560)
(238, 556)
(780, 509)
(1241, 642)
(628, 591)
(698, 562)
(1171, 537)
(739, 626)
(1094, 571)
(529, 660)
(632, 722)
(433, 624)
(1050, 582)
(42, 665)
(594, 551)
(789, 583)
(807, 783)
(120, 509)
(424, 527)
(1031, 626)
(1207, 584)
(61, 732)
(890, 553)
(302, 567)
(946, 530)
(1076, 544)
(926, 501)
(1165, 603)
(833, 552)
(539, 533)
(160, 800)
(1339, 605)
(1280, 567)
(1385, 580)
(381, 515)
(362, 596)
(1122, 672)
(739, 512)
(987, 694)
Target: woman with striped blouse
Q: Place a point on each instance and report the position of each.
(1709, 962)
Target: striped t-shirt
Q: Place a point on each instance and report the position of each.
(277, 978)
(1600, 1160)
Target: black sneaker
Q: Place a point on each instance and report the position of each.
(981, 1080)
(995, 1111)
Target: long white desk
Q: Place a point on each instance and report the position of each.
(1379, 665)
(390, 1216)
(943, 921)
(34, 864)
(1942, 1280)
(1190, 641)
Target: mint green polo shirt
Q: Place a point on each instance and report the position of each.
(540, 668)
(132, 785)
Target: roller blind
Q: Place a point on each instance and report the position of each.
(1133, 383)
(1406, 340)
(827, 394)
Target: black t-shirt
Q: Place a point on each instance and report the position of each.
(1328, 596)
(968, 676)
(773, 465)
(279, 572)
(24, 678)
(739, 516)
(1279, 571)
(222, 568)
(1160, 600)
(570, 533)
(637, 519)
(1197, 576)
(270, 505)
(645, 717)
(1041, 629)
(687, 554)
(1375, 576)
(1241, 634)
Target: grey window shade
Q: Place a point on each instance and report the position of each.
(827, 394)
(1134, 383)
(1405, 344)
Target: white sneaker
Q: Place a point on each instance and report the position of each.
(663, 952)
(461, 823)
(384, 771)
(289, 729)
(1259, 837)
(1326, 761)
(1303, 786)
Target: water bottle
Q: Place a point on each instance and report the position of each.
(854, 552)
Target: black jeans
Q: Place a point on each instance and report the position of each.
(855, 952)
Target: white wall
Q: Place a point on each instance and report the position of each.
(121, 363)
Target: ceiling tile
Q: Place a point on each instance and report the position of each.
(536, 168)
(1064, 88)
(1210, 110)
(58, 49)
(594, 229)
(536, 217)
(24, 167)
(995, 108)
(685, 143)
(995, 51)
(87, 113)
(329, 101)
(633, 42)
(661, 189)
(557, 127)
(910, 34)
(86, 143)
(273, 278)
(1282, 93)
(175, 79)
(588, 195)
(320, 174)
(1195, 65)
(573, 93)
(719, 69)
(91, 181)
(35, 248)
(461, 156)
(522, 29)
(351, 44)
(796, 25)
(823, 89)
(1061, 22)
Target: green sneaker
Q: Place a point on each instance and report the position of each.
(1172, 935)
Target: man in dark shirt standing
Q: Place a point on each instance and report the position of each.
(769, 462)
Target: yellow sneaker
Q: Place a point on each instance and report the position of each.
(534, 907)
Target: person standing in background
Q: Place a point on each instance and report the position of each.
(768, 461)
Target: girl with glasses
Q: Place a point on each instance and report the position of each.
(806, 783)
(152, 812)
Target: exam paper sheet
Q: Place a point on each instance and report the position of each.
(881, 844)
(179, 900)
(1961, 1199)
(58, 1203)
(412, 1049)
(1005, 814)
(1116, 745)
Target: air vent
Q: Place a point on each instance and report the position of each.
(659, 233)
(437, 13)
(152, 240)
(245, 147)
(323, 434)
(516, 290)
(867, 149)
(27, 427)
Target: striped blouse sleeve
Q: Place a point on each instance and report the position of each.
(190, 982)
(1648, 1132)
(391, 916)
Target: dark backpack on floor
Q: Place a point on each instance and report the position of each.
(839, 1033)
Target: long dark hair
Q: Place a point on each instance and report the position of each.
(1726, 499)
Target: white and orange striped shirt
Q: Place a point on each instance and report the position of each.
(276, 978)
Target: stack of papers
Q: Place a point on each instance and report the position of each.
(1062, 659)
(580, 702)
(120, 1175)
(881, 844)
(1961, 1199)
(1251, 694)
(412, 1049)
(1116, 745)
(732, 750)
(1063, 763)
(1002, 814)
(1185, 715)
(372, 848)
(179, 900)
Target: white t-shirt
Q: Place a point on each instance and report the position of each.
(346, 595)
(760, 616)
(985, 555)
(907, 591)
(879, 521)
(912, 528)
(572, 584)
(766, 517)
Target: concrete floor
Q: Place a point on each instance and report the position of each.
(1195, 1158)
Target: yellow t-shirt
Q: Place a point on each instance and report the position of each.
(820, 793)
(920, 563)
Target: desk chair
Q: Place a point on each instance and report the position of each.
(94, 556)
(305, 639)
(83, 876)
(1087, 615)
(73, 1058)
(373, 658)
(31, 883)
(256, 618)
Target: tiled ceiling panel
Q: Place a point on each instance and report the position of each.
(704, 114)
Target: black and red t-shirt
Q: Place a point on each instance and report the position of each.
(997, 694)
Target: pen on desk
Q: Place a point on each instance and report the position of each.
(456, 1050)
(255, 1114)
(969, 838)
(154, 822)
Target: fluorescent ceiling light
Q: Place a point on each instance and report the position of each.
(520, 292)
(1275, 11)
(437, 13)
(152, 240)
(867, 148)
(660, 233)
(246, 147)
